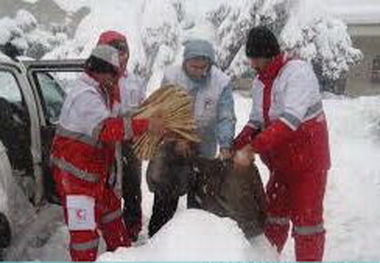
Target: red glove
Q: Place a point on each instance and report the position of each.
(245, 137)
(275, 135)
(112, 130)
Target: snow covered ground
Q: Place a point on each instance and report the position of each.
(351, 216)
(353, 189)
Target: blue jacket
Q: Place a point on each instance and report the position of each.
(213, 106)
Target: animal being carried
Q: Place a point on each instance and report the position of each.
(211, 184)
(217, 186)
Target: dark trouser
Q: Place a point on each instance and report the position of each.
(132, 212)
(164, 208)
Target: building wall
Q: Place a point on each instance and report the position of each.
(364, 78)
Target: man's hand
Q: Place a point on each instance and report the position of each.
(225, 153)
(244, 157)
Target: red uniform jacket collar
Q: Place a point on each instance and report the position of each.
(267, 77)
(270, 72)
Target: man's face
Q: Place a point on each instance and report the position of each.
(197, 67)
(259, 64)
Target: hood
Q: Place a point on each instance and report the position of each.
(199, 48)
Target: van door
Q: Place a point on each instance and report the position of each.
(51, 80)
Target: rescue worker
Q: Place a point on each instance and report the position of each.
(214, 114)
(83, 153)
(287, 128)
(133, 92)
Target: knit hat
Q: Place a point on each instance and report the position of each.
(199, 48)
(107, 54)
(262, 43)
(115, 39)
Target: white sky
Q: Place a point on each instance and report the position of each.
(355, 11)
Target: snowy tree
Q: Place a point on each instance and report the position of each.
(160, 28)
(317, 37)
(26, 37)
(159, 34)
(304, 29)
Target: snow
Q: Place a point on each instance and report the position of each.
(7, 27)
(354, 179)
(25, 20)
(156, 31)
(71, 6)
(9, 87)
(313, 35)
(30, 1)
(189, 237)
(24, 32)
(353, 187)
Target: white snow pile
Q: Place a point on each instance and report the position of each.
(354, 180)
(194, 235)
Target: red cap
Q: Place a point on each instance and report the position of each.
(107, 37)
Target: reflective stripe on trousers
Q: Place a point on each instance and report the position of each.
(300, 230)
(92, 244)
(108, 218)
(308, 230)
(277, 220)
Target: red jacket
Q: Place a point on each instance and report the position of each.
(288, 118)
(88, 129)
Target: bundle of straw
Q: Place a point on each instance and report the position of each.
(175, 106)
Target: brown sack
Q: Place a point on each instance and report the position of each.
(238, 194)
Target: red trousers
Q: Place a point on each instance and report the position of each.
(297, 197)
(85, 222)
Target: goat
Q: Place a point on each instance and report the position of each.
(211, 184)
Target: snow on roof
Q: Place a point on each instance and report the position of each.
(355, 11)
